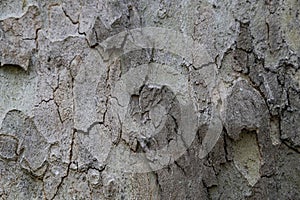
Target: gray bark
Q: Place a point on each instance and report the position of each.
(169, 99)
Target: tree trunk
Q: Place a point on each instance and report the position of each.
(169, 99)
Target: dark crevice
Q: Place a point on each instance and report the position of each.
(89, 128)
(181, 168)
(286, 143)
(225, 137)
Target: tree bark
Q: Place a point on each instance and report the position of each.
(148, 99)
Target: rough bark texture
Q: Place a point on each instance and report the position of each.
(140, 99)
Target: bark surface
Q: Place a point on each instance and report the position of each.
(139, 99)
